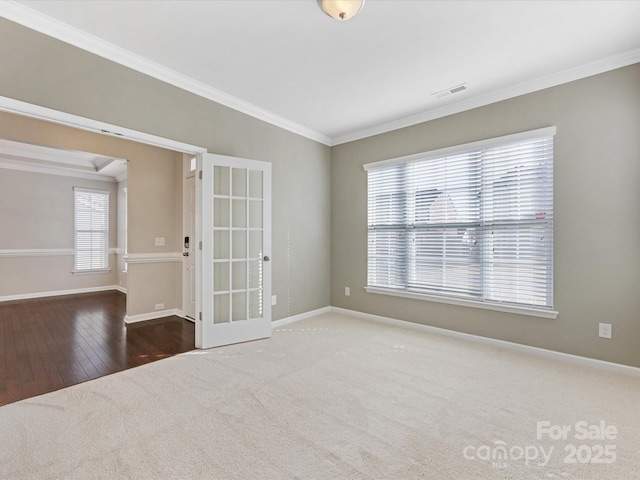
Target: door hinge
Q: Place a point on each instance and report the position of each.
(200, 175)
(200, 316)
(200, 245)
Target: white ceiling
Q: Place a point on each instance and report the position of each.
(286, 62)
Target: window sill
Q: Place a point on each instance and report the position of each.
(531, 311)
(89, 272)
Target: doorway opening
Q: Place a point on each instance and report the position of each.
(231, 312)
(62, 145)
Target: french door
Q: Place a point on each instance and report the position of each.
(235, 268)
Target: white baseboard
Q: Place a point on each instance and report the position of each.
(541, 352)
(301, 316)
(28, 296)
(181, 314)
(143, 317)
(121, 289)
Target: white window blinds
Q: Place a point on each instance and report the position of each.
(91, 230)
(472, 222)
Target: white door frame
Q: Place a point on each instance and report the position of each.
(189, 284)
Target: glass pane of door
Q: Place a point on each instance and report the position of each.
(237, 216)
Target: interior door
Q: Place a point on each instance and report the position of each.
(236, 244)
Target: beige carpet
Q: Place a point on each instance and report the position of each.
(331, 397)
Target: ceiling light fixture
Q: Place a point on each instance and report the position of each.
(341, 9)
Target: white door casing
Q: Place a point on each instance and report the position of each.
(188, 248)
(235, 268)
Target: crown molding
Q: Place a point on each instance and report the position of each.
(36, 21)
(54, 28)
(565, 76)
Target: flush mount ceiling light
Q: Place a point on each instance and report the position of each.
(341, 9)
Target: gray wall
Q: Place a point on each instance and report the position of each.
(40, 70)
(597, 216)
(37, 213)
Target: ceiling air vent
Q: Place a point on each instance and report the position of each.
(449, 91)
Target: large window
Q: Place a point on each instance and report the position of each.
(473, 222)
(91, 230)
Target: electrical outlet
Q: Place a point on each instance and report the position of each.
(159, 306)
(605, 330)
(274, 300)
(159, 241)
(347, 291)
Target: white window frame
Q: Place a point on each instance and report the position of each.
(103, 232)
(533, 310)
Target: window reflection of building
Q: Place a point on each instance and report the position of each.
(441, 258)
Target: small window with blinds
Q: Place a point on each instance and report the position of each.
(91, 230)
(473, 222)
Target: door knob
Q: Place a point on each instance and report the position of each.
(185, 254)
(266, 258)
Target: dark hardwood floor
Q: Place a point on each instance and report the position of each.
(51, 343)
